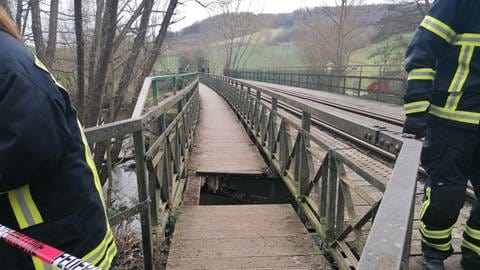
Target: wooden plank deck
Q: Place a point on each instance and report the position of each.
(221, 145)
(243, 237)
(361, 206)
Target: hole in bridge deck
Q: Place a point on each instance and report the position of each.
(218, 189)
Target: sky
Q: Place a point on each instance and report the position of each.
(192, 12)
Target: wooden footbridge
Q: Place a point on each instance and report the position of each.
(351, 179)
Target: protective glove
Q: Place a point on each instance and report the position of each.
(416, 125)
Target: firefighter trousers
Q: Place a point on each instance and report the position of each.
(451, 156)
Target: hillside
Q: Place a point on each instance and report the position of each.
(368, 15)
(279, 40)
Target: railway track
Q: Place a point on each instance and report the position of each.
(351, 109)
(387, 157)
(334, 131)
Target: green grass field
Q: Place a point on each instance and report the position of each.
(268, 55)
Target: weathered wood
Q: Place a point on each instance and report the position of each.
(128, 213)
(361, 186)
(111, 130)
(192, 191)
(221, 145)
(243, 237)
(143, 195)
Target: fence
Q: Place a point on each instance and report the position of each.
(352, 83)
(161, 153)
(316, 175)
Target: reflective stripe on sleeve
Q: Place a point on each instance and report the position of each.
(421, 74)
(417, 106)
(439, 28)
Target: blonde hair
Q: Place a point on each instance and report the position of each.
(7, 25)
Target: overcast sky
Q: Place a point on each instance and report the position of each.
(193, 12)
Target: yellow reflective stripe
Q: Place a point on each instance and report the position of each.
(421, 74)
(461, 75)
(467, 39)
(91, 164)
(24, 208)
(112, 251)
(40, 65)
(442, 247)
(98, 253)
(435, 234)
(27, 214)
(459, 116)
(467, 244)
(475, 234)
(40, 265)
(439, 28)
(426, 203)
(103, 248)
(417, 106)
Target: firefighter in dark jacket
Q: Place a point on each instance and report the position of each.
(442, 101)
(49, 188)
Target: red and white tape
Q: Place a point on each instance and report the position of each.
(43, 251)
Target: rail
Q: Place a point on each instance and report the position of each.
(161, 149)
(321, 185)
(387, 89)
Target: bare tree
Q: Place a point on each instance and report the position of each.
(157, 45)
(423, 6)
(80, 56)
(37, 29)
(400, 18)
(52, 34)
(94, 47)
(96, 90)
(137, 45)
(18, 15)
(237, 29)
(343, 26)
(389, 52)
(21, 16)
(111, 36)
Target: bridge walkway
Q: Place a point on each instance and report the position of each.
(235, 236)
(397, 112)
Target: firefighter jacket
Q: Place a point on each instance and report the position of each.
(49, 187)
(443, 63)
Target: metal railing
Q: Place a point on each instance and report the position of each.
(317, 175)
(161, 154)
(381, 88)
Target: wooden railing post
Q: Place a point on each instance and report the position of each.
(306, 125)
(143, 195)
(256, 115)
(273, 127)
(332, 195)
(155, 92)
